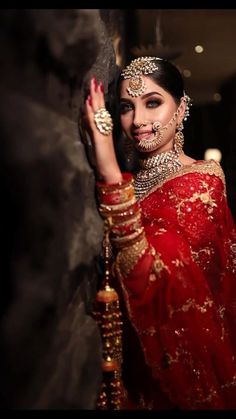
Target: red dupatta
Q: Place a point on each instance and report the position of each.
(181, 294)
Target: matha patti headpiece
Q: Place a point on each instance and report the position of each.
(134, 71)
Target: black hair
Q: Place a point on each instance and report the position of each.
(168, 77)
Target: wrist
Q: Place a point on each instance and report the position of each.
(112, 178)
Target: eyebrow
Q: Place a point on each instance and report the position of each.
(143, 97)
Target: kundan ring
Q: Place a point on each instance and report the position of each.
(103, 121)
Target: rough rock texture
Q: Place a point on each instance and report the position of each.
(50, 228)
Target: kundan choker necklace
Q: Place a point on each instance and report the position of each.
(155, 170)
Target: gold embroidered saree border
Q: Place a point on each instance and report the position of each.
(210, 167)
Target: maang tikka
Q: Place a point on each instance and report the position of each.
(134, 71)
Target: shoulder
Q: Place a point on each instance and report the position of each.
(209, 169)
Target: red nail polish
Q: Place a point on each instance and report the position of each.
(102, 87)
(95, 84)
(90, 100)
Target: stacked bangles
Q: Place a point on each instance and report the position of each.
(118, 202)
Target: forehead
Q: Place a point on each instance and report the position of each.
(151, 86)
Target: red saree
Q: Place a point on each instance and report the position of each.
(180, 296)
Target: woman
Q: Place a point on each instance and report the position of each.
(174, 241)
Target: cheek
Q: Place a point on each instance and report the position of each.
(125, 121)
(165, 115)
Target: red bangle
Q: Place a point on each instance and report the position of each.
(117, 196)
(119, 230)
(126, 214)
(126, 179)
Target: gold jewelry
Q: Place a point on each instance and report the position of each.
(108, 317)
(146, 145)
(103, 121)
(134, 71)
(128, 257)
(155, 170)
(179, 139)
(188, 102)
(156, 126)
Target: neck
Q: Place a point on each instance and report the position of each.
(156, 169)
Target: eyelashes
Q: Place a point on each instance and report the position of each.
(128, 106)
(125, 107)
(153, 103)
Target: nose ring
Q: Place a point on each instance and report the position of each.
(156, 126)
(140, 125)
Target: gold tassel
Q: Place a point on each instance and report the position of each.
(108, 317)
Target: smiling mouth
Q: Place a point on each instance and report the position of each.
(142, 136)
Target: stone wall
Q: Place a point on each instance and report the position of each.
(50, 228)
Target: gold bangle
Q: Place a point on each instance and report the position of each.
(114, 208)
(126, 240)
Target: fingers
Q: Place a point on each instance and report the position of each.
(96, 94)
(94, 101)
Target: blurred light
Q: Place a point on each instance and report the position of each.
(217, 97)
(187, 73)
(199, 49)
(213, 153)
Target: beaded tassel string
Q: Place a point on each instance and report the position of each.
(108, 317)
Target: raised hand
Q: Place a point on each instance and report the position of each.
(99, 124)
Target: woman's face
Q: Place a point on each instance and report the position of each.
(155, 104)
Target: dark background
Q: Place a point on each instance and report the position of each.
(50, 349)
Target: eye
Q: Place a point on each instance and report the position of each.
(125, 107)
(153, 103)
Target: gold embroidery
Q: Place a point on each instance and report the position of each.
(221, 311)
(177, 263)
(158, 264)
(233, 256)
(168, 359)
(160, 231)
(129, 256)
(210, 167)
(231, 262)
(212, 393)
(151, 331)
(198, 255)
(191, 303)
(230, 384)
(205, 197)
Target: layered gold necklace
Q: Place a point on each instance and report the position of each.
(154, 170)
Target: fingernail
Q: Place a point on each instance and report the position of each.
(90, 100)
(102, 87)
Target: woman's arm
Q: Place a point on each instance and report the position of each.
(107, 166)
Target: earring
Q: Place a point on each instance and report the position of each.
(179, 139)
(188, 102)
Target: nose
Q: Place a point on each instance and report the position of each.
(138, 120)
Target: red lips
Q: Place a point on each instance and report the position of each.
(139, 135)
